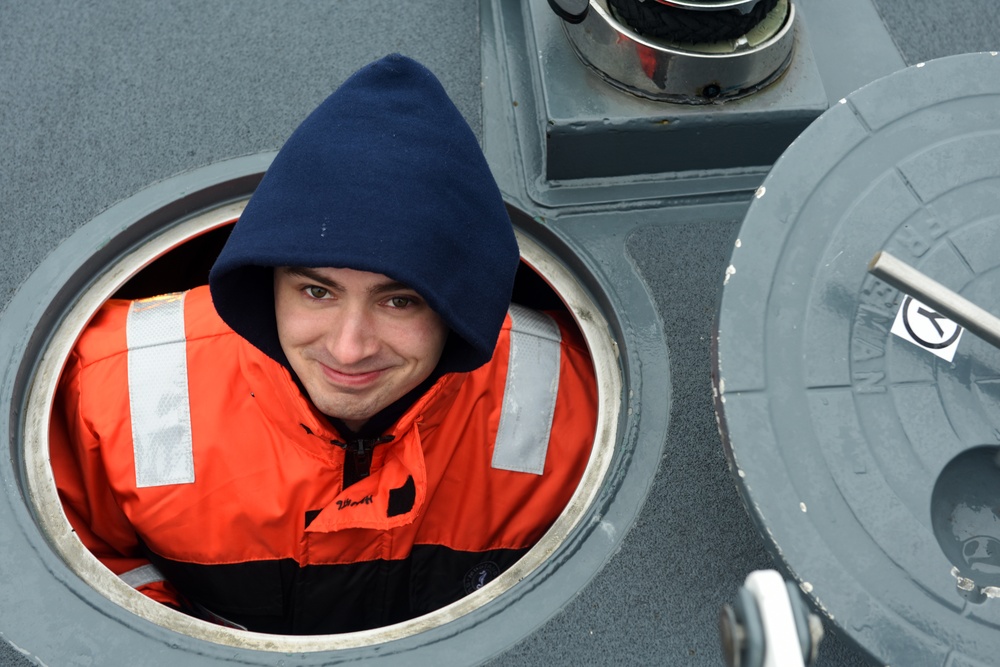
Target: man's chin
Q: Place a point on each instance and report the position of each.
(347, 405)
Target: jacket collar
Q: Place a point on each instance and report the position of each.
(371, 502)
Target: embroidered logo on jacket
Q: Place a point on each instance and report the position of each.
(347, 502)
(480, 575)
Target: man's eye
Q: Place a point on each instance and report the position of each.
(400, 301)
(317, 292)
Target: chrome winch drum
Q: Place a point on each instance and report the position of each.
(667, 71)
(743, 6)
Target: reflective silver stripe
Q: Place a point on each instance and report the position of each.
(529, 397)
(158, 392)
(140, 576)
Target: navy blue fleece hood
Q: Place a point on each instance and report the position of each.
(384, 176)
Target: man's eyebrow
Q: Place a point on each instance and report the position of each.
(380, 288)
(316, 276)
(391, 286)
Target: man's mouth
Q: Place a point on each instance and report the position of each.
(352, 379)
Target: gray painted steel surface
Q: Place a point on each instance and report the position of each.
(101, 100)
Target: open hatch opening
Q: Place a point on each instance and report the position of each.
(177, 258)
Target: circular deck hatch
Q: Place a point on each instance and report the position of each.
(119, 253)
(854, 419)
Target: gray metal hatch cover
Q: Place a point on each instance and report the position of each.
(856, 452)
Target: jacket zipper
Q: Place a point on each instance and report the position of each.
(358, 456)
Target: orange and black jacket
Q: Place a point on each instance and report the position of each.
(194, 468)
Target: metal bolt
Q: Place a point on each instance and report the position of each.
(711, 91)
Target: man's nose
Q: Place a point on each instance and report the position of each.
(352, 338)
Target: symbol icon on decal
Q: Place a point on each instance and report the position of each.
(927, 328)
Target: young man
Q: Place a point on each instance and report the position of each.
(351, 425)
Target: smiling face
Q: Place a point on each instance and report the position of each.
(358, 341)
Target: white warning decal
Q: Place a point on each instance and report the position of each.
(926, 328)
